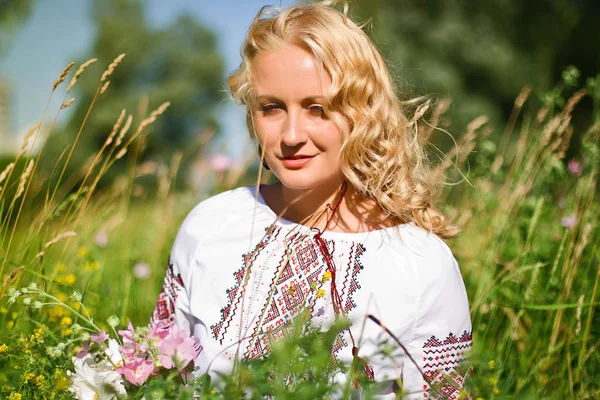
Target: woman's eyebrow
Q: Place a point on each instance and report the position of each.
(307, 99)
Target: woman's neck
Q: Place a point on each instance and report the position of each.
(314, 208)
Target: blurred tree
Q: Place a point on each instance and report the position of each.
(12, 14)
(178, 63)
(481, 53)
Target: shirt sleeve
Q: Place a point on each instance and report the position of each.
(442, 334)
(173, 304)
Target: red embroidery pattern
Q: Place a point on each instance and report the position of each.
(351, 284)
(235, 293)
(442, 367)
(165, 306)
(297, 287)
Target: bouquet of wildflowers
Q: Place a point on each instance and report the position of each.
(106, 368)
(137, 362)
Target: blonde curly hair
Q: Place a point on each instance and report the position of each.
(382, 156)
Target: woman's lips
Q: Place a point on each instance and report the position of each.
(296, 161)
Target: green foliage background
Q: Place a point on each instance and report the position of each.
(529, 249)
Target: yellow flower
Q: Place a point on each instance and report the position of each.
(83, 251)
(14, 396)
(62, 297)
(320, 293)
(496, 390)
(14, 315)
(91, 266)
(66, 321)
(26, 377)
(59, 267)
(10, 324)
(493, 381)
(3, 348)
(39, 332)
(55, 313)
(39, 380)
(492, 364)
(61, 380)
(66, 332)
(326, 276)
(70, 279)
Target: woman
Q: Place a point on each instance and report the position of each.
(349, 229)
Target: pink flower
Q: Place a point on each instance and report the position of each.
(129, 346)
(99, 337)
(127, 334)
(137, 371)
(141, 270)
(220, 162)
(101, 239)
(574, 167)
(178, 348)
(159, 331)
(84, 351)
(569, 221)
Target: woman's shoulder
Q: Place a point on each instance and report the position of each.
(224, 201)
(228, 202)
(213, 215)
(430, 254)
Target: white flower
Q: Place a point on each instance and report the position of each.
(100, 381)
(113, 352)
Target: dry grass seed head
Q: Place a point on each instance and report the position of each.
(59, 237)
(63, 75)
(79, 71)
(9, 278)
(28, 135)
(23, 180)
(104, 87)
(6, 171)
(578, 314)
(67, 103)
(115, 128)
(573, 100)
(161, 109)
(523, 96)
(121, 153)
(124, 130)
(582, 243)
(112, 67)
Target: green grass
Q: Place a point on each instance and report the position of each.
(533, 283)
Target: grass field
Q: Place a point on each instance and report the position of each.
(528, 251)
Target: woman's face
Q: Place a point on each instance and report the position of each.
(300, 143)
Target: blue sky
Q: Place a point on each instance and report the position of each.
(59, 31)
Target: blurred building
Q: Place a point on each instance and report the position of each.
(8, 141)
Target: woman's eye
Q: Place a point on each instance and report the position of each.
(270, 107)
(316, 110)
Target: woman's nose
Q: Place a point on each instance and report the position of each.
(293, 129)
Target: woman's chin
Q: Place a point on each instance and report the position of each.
(307, 182)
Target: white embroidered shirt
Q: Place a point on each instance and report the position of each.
(237, 275)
